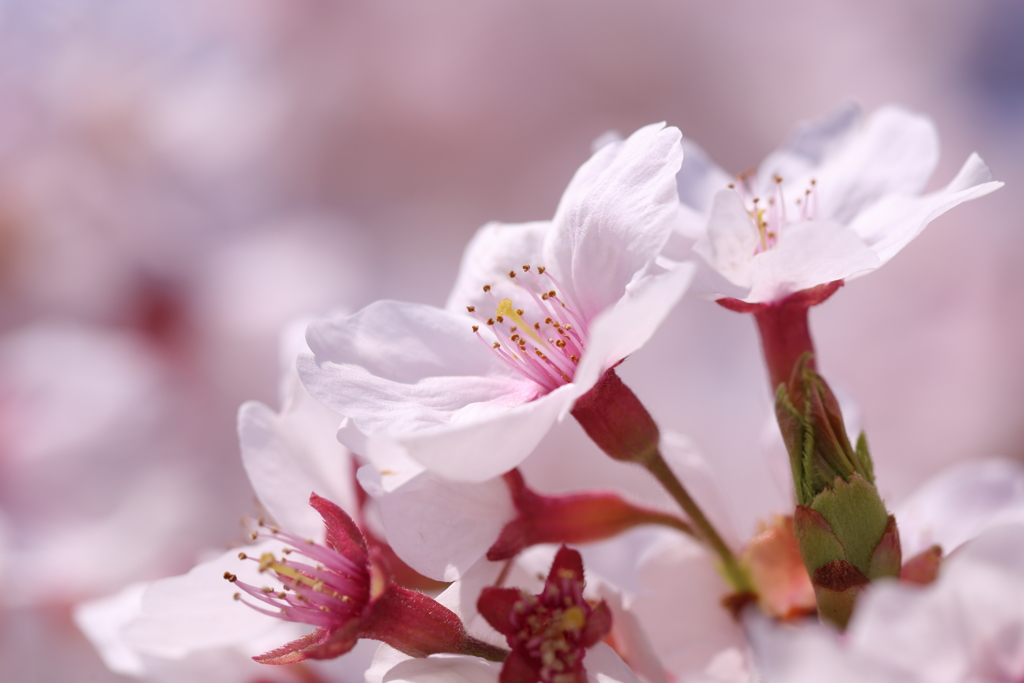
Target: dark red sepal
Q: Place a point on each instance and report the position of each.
(342, 533)
(573, 518)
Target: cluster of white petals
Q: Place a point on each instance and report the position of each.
(838, 200)
(410, 417)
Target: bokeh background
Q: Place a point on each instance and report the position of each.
(178, 180)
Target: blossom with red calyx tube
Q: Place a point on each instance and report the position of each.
(539, 313)
(549, 633)
(337, 588)
(840, 199)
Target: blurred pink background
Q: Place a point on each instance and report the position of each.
(178, 180)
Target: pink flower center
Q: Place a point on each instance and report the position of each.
(327, 591)
(545, 341)
(772, 215)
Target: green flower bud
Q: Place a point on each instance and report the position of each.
(846, 536)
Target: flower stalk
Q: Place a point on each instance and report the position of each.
(615, 419)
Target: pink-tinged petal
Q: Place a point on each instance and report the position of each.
(103, 620)
(893, 222)
(628, 325)
(496, 249)
(807, 255)
(800, 655)
(731, 239)
(703, 484)
(443, 669)
(678, 577)
(710, 284)
(439, 527)
(402, 342)
(628, 638)
(196, 610)
(698, 180)
(959, 503)
(485, 441)
(379, 405)
(603, 665)
(287, 456)
(343, 534)
(615, 216)
(812, 143)
(894, 153)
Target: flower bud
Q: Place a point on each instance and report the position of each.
(846, 536)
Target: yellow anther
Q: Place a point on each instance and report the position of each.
(505, 309)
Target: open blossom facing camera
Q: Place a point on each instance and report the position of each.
(839, 200)
(539, 312)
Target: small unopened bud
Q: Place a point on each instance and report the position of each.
(613, 417)
(812, 427)
(846, 536)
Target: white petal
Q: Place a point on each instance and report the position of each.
(444, 669)
(968, 625)
(102, 620)
(799, 654)
(631, 641)
(699, 479)
(378, 405)
(808, 254)
(699, 178)
(628, 325)
(893, 222)
(484, 444)
(461, 597)
(615, 216)
(402, 342)
(731, 239)
(196, 610)
(958, 503)
(289, 456)
(894, 153)
(439, 527)
(496, 249)
(604, 666)
(812, 143)
(391, 462)
(681, 607)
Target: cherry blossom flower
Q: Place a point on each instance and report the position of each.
(839, 200)
(539, 312)
(337, 588)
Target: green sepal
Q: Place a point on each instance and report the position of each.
(818, 544)
(864, 463)
(888, 555)
(857, 516)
